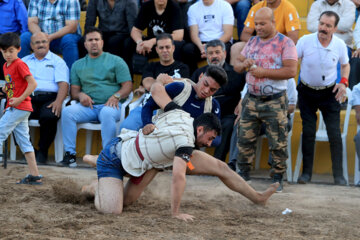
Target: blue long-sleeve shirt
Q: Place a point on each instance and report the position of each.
(15, 13)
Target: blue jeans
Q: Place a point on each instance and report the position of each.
(241, 9)
(77, 113)
(16, 121)
(66, 45)
(133, 120)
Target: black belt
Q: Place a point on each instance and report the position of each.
(266, 98)
(317, 87)
(42, 93)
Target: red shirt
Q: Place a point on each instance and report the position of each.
(16, 84)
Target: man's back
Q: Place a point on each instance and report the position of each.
(174, 129)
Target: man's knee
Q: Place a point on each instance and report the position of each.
(108, 113)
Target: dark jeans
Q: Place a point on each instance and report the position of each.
(47, 119)
(309, 102)
(227, 124)
(354, 77)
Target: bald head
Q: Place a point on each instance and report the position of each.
(40, 44)
(265, 12)
(265, 23)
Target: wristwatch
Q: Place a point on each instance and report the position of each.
(117, 96)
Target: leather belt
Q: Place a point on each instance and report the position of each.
(42, 93)
(319, 87)
(266, 98)
(138, 148)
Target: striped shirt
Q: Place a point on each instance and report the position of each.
(52, 16)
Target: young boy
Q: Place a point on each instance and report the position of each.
(19, 85)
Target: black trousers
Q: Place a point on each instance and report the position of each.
(354, 77)
(47, 119)
(227, 125)
(310, 101)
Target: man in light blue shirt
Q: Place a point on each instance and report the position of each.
(52, 77)
(355, 101)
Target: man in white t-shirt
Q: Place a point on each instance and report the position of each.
(320, 53)
(207, 20)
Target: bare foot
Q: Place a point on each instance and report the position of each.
(267, 194)
(90, 189)
(90, 159)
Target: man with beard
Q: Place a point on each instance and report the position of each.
(99, 81)
(228, 95)
(320, 53)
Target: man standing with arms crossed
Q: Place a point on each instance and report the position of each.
(271, 59)
(319, 53)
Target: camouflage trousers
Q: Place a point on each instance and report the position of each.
(274, 114)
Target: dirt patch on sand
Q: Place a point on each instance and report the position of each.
(57, 210)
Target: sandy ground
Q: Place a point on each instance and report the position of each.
(57, 210)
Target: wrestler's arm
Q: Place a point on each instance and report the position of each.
(179, 182)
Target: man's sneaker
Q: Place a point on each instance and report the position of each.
(304, 178)
(245, 175)
(339, 180)
(278, 177)
(69, 160)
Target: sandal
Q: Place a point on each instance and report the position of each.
(30, 179)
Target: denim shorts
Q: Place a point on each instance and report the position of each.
(108, 163)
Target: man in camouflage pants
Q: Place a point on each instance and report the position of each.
(270, 59)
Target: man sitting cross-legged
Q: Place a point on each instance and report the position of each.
(140, 157)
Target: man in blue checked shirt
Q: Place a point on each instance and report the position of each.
(60, 20)
(14, 12)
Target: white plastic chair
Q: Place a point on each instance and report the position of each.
(288, 161)
(321, 136)
(357, 165)
(58, 141)
(136, 103)
(96, 126)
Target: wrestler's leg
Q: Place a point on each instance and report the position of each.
(109, 195)
(90, 159)
(133, 191)
(207, 165)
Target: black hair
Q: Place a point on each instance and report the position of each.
(217, 73)
(215, 43)
(92, 29)
(331, 14)
(9, 40)
(164, 36)
(209, 122)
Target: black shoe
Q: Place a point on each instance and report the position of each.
(41, 157)
(305, 178)
(339, 180)
(232, 166)
(69, 160)
(278, 177)
(245, 175)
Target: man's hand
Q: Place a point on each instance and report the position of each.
(356, 53)
(184, 216)
(340, 90)
(55, 107)
(112, 102)
(147, 46)
(85, 100)
(202, 51)
(149, 128)
(14, 102)
(164, 79)
(257, 72)
(139, 91)
(237, 112)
